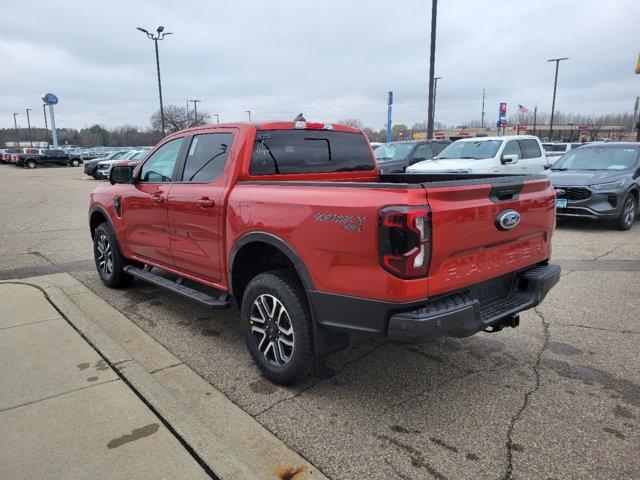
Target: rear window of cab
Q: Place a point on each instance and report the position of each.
(309, 151)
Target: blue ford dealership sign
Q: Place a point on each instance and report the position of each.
(50, 99)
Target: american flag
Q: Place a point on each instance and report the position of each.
(522, 109)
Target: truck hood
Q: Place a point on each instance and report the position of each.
(446, 165)
(569, 178)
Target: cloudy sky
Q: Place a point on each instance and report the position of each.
(331, 59)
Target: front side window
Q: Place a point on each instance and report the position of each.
(512, 148)
(207, 157)
(309, 151)
(530, 149)
(159, 167)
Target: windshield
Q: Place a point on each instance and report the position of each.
(598, 158)
(476, 150)
(392, 151)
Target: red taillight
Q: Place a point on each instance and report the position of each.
(404, 241)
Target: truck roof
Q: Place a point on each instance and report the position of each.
(505, 137)
(279, 125)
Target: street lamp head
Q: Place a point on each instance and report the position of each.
(142, 30)
(160, 29)
(557, 59)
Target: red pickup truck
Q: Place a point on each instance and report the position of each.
(293, 222)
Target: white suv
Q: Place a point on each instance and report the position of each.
(521, 154)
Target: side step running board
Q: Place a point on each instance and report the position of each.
(222, 302)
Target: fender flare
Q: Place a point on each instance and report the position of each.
(96, 208)
(276, 242)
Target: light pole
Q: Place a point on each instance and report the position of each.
(555, 86)
(432, 61)
(249, 112)
(433, 106)
(158, 36)
(29, 126)
(195, 111)
(217, 118)
(15, 124)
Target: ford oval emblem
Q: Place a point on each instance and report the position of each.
(507, 220)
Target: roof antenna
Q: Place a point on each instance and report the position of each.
(299, 118)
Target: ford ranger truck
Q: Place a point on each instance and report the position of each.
(292, 222)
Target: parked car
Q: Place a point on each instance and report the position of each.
(91, 166)
(292, 220)
(555, 150)
(5, 155)
(48, 156)
(102, 172)
(522, 154)
(395, 157)
(599, 180)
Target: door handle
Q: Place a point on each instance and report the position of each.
(205, 202)
(156, 199)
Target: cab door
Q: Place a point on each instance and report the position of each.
(144, 205)
(197, 205)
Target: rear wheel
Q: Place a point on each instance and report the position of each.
(75, 162)
(31, 164)
(277, 328)
(628, 214)
(109, 261)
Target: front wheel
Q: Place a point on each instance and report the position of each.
(31, 164)
(109, 261)
(75, 163)
(628, 214)
(276, 325)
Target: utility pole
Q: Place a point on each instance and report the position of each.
(187, 113)
(535, 118)
(433, 105)
(249, 112)
(636, 118)
(555, 86)
(195, 111)
(482, 114)
(29, 126)
(217, 118)
(159, 36)
(15, 124)
(432, 61)
(389, 107)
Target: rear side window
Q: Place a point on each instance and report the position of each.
(530, 148)
(423, 152)
(309, 151)
(207, 157)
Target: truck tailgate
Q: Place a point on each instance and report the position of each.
(467, 245)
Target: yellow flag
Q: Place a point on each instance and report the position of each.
(638, 65)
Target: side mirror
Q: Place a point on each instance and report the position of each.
(120, 174)
(637, 174)
(547, 167)
(509, 159)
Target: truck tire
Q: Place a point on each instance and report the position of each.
(628, 213)
(30, 164)
(109, 261)
(75, 162)
(277, 328)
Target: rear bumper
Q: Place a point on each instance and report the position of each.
(456, 314)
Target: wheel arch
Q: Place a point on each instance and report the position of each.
(272, 252)
(97, 216)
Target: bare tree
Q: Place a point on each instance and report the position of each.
(177, 118)
(352, 122)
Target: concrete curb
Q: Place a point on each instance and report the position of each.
(232, 443)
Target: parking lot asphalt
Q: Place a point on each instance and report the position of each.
(558, 397)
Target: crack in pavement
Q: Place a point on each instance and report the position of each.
(319, 380)
(508, 475)
(604, 329)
